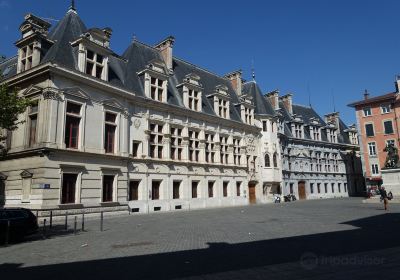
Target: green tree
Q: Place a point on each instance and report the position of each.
(10, 107)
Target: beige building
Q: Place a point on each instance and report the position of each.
(144, 129)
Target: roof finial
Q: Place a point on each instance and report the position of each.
(253, 73)
(72, 7)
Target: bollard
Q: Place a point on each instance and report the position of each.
(101, 221)
(7, 237)
(75, 225)
(83, 221)
(44, 228)
(51, 219)
(66, 220)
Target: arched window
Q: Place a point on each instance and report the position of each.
(267, 161)
(275, 160)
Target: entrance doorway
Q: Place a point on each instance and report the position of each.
(302, 190)
(252, 193)
(68, 188)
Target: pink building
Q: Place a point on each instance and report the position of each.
(378, 125)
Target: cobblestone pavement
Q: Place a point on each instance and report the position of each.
(330, 239)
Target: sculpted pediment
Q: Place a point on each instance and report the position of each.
(77, 92)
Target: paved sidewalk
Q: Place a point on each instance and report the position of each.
(332, 239)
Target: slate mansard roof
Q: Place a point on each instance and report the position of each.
(306, 114)
(123, 70)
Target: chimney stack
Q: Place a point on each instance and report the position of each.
(366, 95)
(236, 80)
(397, 83)
(288, 102)
(273, 98)
(165, 47)
(332, 118)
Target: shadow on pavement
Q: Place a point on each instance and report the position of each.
(371, 234)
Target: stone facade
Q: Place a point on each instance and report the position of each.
(144, 129)
(320, 156)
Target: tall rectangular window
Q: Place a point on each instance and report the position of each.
(374, 169)
(210, 152)
(317, 134)
(388, 127)
(157, 89)
(265, 125)
(298, 131)
(385, 108)
(225, 188)
(236, 151)
(224, 149)
(33, 115)
(339, 187)
(311, 187)
(94, 64)
(72, 122)
(175, 189)
(194, 145)
(195, 185)
(155, 190)
(108, 188)
(194, 100)
(333, 187)
(210, 188)
(156, 140)
(367, 111)
(223, 108)
(135, 148)
(319, 188)
(372, 148)
(369, 129)
(68, 188)
(291, 188)
(26, 57)
(176, 143)
(109, 132)
(134, 190)
(238, 184)
(345, 187)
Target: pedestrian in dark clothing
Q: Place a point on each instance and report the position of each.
(384, 197)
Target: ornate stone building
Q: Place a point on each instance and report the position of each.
(144, 129)
(321, 157)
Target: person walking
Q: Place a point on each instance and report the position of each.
(384, 196)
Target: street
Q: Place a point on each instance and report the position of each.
(332, 238)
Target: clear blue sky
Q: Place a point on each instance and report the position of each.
(317, 47)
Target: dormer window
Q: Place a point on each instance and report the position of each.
(26, 57)
(331, 134)
(221, 101)
(297, 130)
(223, 108)
(155, 81)
(157, 89)
(194, 100)
(94, 64)
(315, 133)
(33, 44)
(192, 89)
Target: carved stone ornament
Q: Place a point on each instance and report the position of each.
(136, 123)
(52, 94)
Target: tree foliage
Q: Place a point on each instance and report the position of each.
(11, 106)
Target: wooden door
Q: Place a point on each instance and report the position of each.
(252, 193)
(133, 190)
(68, 188)
(302, 190)
(108, 188)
